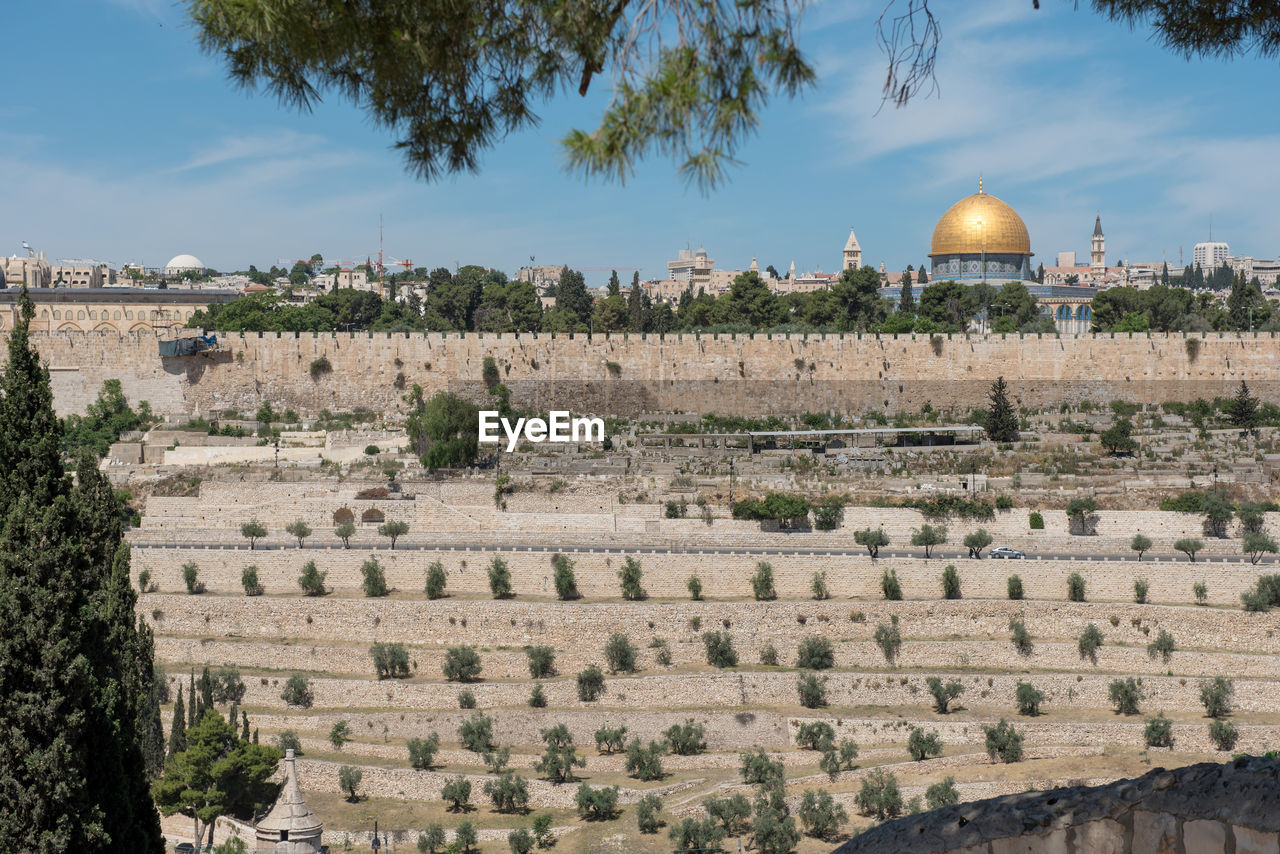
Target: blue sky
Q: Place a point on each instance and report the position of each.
(120, 141)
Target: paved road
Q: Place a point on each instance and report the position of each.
(764, 551)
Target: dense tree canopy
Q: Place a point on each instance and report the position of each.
(687, 78)
(77, 701)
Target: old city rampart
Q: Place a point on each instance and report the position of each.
(628, 374)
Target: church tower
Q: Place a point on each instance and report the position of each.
(852, 253)
(1098, 250)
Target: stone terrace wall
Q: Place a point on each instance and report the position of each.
(727, 576)
(1198, 809)
(741, 375)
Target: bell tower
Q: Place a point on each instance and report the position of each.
(1098, 250)
(852, 252)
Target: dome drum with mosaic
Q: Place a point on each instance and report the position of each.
(981, 238)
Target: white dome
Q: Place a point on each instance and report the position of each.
(179, 263)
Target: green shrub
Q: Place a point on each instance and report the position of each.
(880, 796)
(889, 639)
(818, 586)
(1223, 734)
(694, 587)
(816, 735)
(1089, 642)
(732, 813)
(249, 581)
(390, 660)
(537, 697)
(1140, 589)
(312, 580)
(509, 792)
(950, 582)
(422, 752)
(520, 841)
(1216, 695)
(466, 700)
(630, 576)
(560, 758)
(769, 655)
(500, 579)
(1162, 646)
(693, 834)
(1126, 694)
(686, 739)
(461, 664)
(456, 792)
(375, 579)
(288, 740)
(762, 582)
(611, 740)
(1021, 637)
(815, 653)
(1075, 587)
(759, 770)
(1035, 521)
(590, 684)
(542, 661)
(1029, 699)
(1004, 502)
(319, 367)
(1189, 546)
(565, 580)
(191, 578)
(820, 814)
(889, 585)
(1014, 586)
(297, 691)
(872, 540)
(1003, 742)
(812, 691)
(620, 653)
(436, 577)
(599, 804)
(647, 814)
(943, 693)
(340, 734)
(644, 763)
(923, 745)
(1158, 732)
(476, 733)
(943, 794)
(464, 839)
(719, 649)
(349, 779)
(1201, 592)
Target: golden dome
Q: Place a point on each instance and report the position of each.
(980, 223)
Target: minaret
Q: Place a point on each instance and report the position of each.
(852, 252)
(1098, 250)
(791, 274)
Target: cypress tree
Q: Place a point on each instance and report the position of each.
(191, 700)
(1242, 410)
(75, 673)
(1001, 422)
(178, 732)
(906, 297)
(244, 729)
(206, 693)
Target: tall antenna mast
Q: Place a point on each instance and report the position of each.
(379, 251)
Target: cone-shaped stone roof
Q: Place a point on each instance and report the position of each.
(291, 812)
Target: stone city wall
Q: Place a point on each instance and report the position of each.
(629, 374)
(722, 575)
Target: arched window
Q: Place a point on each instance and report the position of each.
(373, 516)
(343, 515)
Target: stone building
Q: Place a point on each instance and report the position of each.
(291, 827)
(32, 270)
(109, 309)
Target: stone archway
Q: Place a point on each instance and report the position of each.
(372, 516)
(344, 515)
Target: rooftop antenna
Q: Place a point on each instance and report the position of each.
(1210, 226)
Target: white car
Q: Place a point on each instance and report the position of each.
(1006, 552)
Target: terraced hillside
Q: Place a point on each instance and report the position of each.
(862, 687)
